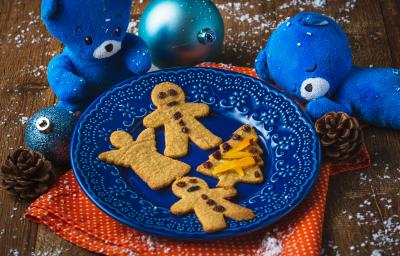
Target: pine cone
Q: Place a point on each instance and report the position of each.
(340, 134)
(26, 174)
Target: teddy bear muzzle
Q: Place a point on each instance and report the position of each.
(313, 88)
(107, 49)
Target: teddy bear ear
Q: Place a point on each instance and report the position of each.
(49, 9)
(261, 66)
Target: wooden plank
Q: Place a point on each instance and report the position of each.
(16, 233)
(391, 18)
(23, 90)
(48, 243)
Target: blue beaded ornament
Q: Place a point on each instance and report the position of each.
(49, 132)
(182, 32)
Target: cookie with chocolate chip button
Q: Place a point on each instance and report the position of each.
(211, 206)
(179, 119)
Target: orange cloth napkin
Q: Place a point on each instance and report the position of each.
(69, 213)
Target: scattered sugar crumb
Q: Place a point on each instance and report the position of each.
(155, 244)
(23, 119)
(55, 252)
(14, 252)
(270, 246)
(28, 32)
(376, 253)
(35, 71)
(301, 3)
(133, 26)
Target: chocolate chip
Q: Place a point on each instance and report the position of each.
(253, 150)
(251, 141)
(207, 165)
(226, 146)
(217, 155)
(210, 202)
(193, 180)
(219, 208)
(256, 159)
(257, 174)
(172, 92)
(204, 196)
(181, 123)
(177, 115)
(181, 184)
(185, 129)
(236, 137)
(172, 103)
(247, 128)
(192, 189)
(162, 95)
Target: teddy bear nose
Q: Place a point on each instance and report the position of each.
(308, 87)
(313, 88)
(109, 47)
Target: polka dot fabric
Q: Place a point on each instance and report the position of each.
(69, 213)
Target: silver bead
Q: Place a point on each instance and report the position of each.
(43, 124)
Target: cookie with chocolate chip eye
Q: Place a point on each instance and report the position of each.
(211, 205)
(179, 119)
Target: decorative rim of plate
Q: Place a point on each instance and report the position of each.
(301, 195)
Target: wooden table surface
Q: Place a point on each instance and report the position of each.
(361, 216)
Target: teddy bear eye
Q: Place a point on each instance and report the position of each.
(311, 70)
(88, 40)
(117, 31)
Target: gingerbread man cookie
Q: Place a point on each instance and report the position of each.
(179, 119)
(141, 156)
(210, 205)
(237, 160)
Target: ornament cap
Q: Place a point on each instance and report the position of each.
(207, 36)
(43, 124)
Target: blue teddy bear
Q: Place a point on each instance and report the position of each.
(310, 57)
(98, 51)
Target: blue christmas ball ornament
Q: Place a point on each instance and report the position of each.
(49, 132)
(182, 32)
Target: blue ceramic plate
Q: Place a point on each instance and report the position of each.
(292, 152)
